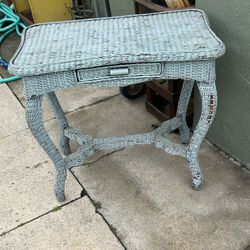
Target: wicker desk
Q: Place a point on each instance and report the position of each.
(117, 52)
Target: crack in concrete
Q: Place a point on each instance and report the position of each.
(83, 107)
(66, 113)
(231, 158)
(111, 227)
(83, 193)
(94, 202)
(19, 100)
(92, 104)
(39, 216)
(20, 131)
(102, 156)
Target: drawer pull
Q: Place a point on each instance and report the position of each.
(118, 72)
(122, 71)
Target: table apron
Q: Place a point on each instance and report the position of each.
(42, 84)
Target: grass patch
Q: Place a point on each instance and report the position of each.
(113, 229)
(97, 204)
(55, 209)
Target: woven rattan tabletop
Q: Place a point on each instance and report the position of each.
(182, 35)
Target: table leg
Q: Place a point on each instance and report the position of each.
(62, 121)
(185, 95)
(209, 102)
(35, 122)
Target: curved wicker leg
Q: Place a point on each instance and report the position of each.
(182, 110)
(62, 121)
(209, 102)
(35, 122)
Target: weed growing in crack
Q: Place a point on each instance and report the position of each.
(97, 204)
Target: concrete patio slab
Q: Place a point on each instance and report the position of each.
(115, 116)
(74, 226)
(70, 99)
(146, 194)
(27, 181)
(9, 46)
(79, 97)
(11, 113)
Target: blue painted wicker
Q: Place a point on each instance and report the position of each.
(119, 51)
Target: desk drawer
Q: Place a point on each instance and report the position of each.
(119, 71)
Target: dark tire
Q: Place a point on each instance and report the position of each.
(133, 91)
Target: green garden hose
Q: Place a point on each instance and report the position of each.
(9, 23)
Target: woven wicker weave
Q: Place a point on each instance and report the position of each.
(117, 52)
(182, 35)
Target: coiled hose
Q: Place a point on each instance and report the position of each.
(9, 23)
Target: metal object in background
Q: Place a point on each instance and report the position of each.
(82, 9)
(133, 91)
(108, 9)
(9, 23)
(21, 5)
(48, 11)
